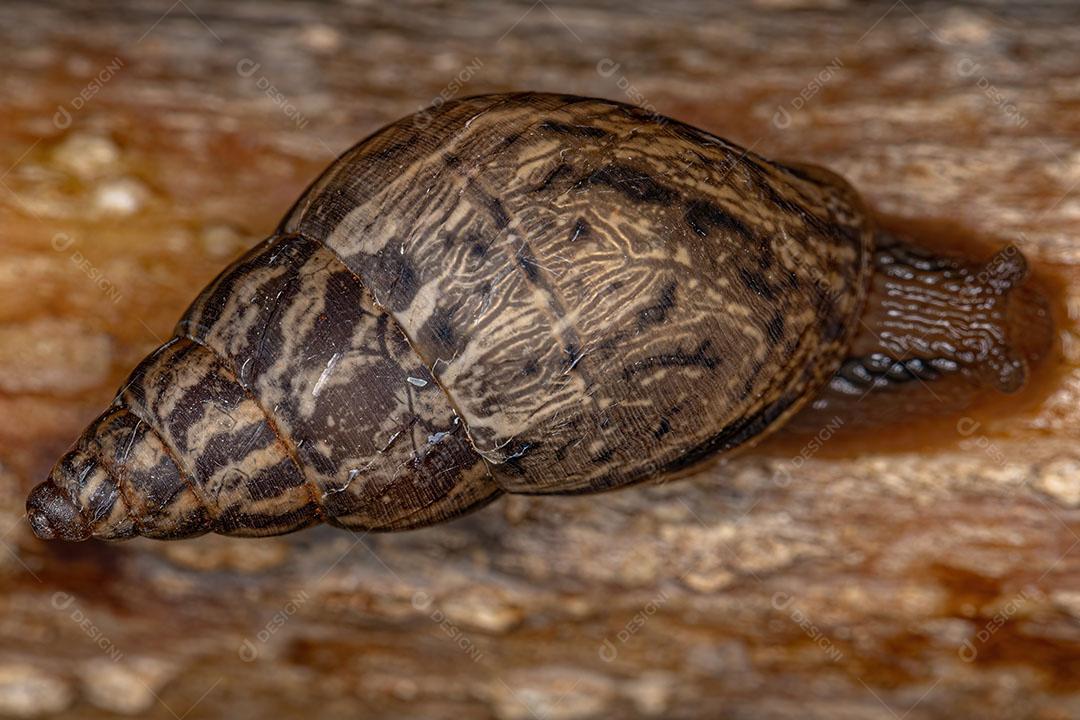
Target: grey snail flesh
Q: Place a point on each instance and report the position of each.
(520, 293)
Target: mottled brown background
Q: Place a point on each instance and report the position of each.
(927, 572)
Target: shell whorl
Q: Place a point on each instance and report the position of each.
(521, 293)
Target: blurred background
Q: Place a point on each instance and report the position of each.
(912, 574)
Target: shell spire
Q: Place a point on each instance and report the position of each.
(120, 481)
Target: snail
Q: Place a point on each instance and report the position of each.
(528, 293)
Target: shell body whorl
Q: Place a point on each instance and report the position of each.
(518, 293)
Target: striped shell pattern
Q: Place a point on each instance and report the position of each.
(522, 293)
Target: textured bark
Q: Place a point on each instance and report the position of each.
(931, 569)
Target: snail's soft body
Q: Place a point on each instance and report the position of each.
(520, 293)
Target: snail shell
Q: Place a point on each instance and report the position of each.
(520, 293)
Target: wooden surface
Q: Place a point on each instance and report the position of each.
(928, 571)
